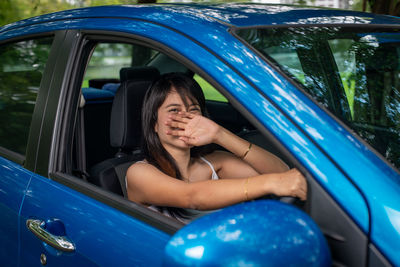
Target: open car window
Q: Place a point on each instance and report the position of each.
(99, 133)
(110, 66)
(354, 73)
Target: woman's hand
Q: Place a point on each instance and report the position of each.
(290, 183)
(193, 129)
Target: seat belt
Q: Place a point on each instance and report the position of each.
(120, 170)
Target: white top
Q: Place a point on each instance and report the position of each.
(214, 175)
(194, 213)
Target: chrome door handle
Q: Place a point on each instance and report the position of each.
(59, 242)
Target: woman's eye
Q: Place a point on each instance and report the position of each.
(194, 110)
(174, 110)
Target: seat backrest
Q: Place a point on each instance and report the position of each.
(97, 112)
(125, 127)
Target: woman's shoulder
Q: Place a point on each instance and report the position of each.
(139, 167)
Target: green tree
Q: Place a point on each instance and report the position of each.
(8, 12)
(38, 7)
(389, 7)
(14, 10)
(86, 3)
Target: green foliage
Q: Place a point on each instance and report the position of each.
(210, 93)
(14, 10)
(106, 2)
(358, 5)
(8, 12)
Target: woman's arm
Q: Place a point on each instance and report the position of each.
(147, 185)
(260, 159)
(197, 130)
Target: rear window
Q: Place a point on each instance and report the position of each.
(352, 72)
(21, 68)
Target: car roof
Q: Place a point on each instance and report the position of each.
(228, 14)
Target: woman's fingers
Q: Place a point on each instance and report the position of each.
(177, 132)
(175, 124)
(292, 183)
(182, 117)
(302, 194)
(179, 118)
(300, 185)
(178, 121)
(198, 129)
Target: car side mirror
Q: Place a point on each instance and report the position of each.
(257, 233)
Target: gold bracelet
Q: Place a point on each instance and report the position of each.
(245, 153)
(245, 189)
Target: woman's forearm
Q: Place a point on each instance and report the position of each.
(261, 160)
(217, 194)
(209, 195)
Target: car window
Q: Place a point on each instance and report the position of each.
(210, 93)
(21, 68)
(345, 59)
(100, 135)
(289, 56)
(108, 58)
(352, 72)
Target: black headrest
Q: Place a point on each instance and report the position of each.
(98, 83)
(125, 124)
(138, 73)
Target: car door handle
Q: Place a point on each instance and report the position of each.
(59, 242)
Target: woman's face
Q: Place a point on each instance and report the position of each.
(173, 104)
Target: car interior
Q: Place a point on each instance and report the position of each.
(107, 141)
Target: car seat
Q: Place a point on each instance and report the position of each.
(125, 129)
(96, 125)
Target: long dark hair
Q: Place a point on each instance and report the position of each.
(152, 148)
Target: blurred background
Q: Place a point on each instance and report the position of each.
(14, 10)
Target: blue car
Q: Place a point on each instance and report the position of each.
(319, 88)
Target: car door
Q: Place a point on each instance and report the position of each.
(13, 182)
(90, 233)
(59, 226)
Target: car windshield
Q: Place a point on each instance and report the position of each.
(353, 72)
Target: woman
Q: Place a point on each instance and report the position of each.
(178, 174)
